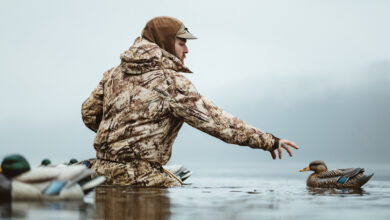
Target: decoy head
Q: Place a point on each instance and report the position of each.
(14, 165)
(317, 166)
(73, 161)
(45, 162)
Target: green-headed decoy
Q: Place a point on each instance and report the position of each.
(18, 182)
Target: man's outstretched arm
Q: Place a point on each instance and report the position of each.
(199, 112)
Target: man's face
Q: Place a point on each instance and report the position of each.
(181, 48)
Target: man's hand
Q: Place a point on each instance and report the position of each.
(284, 144)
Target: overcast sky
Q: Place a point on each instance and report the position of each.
(315, 72)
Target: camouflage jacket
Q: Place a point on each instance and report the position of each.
(139, 106)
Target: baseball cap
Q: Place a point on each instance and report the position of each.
(184, 33)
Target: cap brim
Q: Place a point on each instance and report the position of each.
(184, 33)
(187, 36)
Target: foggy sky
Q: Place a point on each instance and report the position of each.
(315, 72)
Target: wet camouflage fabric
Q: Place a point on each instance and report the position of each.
(139, 107)
(134, 173)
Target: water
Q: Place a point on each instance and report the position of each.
(217, 197)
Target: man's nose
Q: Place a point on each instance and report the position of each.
(185, 49)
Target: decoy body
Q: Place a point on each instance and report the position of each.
(19, 182)
(340, 178)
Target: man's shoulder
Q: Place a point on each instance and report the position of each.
(176, 76)
(182, 83)
(107, 73)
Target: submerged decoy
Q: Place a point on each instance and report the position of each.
(340, 178)
(19, 182)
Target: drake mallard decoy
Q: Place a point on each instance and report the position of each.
(340, 178)
(18, 182)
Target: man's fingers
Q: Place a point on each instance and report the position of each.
(284, 144)
(288, 150)
(273, 155)
(292, 144)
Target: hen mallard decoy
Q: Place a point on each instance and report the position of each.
(340, 178)
(19, 182)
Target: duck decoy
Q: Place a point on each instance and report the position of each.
(19, 182)
(339, 178)
(179, 171)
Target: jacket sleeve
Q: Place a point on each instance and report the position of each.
(92, 108)
(202, 114)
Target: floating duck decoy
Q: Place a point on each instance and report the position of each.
(19, 182)
(340, 178)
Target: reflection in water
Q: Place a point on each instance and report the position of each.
(132, 203)
(225, 198)
(333, 191)
(110, 203)
(5, 209)
(44, 209)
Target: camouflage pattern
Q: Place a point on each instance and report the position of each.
(135, 173)
(139, 107)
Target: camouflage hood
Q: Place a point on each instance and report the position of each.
(145, 56)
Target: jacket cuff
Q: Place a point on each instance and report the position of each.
(276, 141)
(271, 142)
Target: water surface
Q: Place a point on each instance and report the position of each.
(217, 197)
